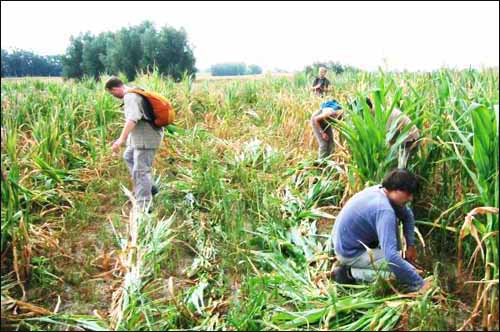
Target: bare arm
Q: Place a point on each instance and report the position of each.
(328, 114)
(315, 85)
(406, 215)
(129, 126)
(321, 117)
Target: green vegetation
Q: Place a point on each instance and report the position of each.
(238, 236)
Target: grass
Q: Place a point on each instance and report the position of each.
(238, 237)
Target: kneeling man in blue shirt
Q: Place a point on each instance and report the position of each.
(365, 234)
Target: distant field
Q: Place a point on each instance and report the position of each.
(205, 77)
(40, 78)
(199, 78)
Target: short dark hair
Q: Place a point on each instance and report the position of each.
(358, 106)
(401, 179)
(369, 102)
(113, 82)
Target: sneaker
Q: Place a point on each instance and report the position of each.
(154, 190)
(343, 275)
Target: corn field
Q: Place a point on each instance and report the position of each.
(238, 236)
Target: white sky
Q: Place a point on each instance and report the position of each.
(414, 36)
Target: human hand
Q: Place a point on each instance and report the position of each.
(411, 254)
(116, 145)
(427, 285)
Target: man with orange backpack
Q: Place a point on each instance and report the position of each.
(145, 115)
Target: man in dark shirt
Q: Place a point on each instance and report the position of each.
(321, 83)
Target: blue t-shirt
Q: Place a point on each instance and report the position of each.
(369, 217)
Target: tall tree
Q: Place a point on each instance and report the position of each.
(73, 60)
(130, 50)
(94, 49)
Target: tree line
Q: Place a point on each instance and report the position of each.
(128, 51)
(331, 66)
(19, 63)
(234, 69)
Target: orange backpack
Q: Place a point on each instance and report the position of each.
(161, 111)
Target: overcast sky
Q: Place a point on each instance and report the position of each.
(413, 36)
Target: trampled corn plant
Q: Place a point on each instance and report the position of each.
(66, 321)
(309, 189)
(205, 251)
(297, 242)
(136, 303)
(349, 312)
(17, 314)
(303, 299)
(257, 155)
(246, 313)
